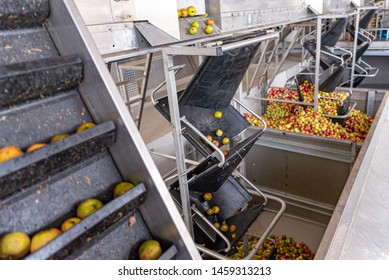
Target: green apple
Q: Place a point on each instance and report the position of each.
(219, 132)
(208, 29)
(191, 11)
(192, 30)
(195, 24)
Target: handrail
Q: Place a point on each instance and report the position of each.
(158, 87)
(253, 113)
(219, 153)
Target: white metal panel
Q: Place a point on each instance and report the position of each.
(162, 14)
(123, 10)
(114, 37)
(242, 5)
(317, 5)
(95, 11)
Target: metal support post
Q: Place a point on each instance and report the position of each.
(178, 141)
(317, 65)
(355, 46)
(145, 81)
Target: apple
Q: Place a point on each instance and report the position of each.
(232, 228)
(122, 188)
(70, 222)
(209, 22)
(207, 196)
(43, 237)
(210, 212)
(219, 132)
(226, 153)
(208, 29)
(216, 225)
(14, 245)
(59, 137)
(9, 152)
(225, 141)
(215, 209)
(216, 143)
(88, 207)
(195, 24)
(34, 147)
(209, 137)
(150, 250)
(191, 11)
(85, 126)
(192, 30)
(224, 227)
(178, 13)
(184, 12)
(218, 115)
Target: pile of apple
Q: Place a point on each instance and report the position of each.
(281, 247)
(195, 25)
(214, 217)
(296, 118)
(10, 152)
(15, 245)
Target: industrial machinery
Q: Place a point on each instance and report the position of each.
(181, 116)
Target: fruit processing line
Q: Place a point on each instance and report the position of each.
(52, 80)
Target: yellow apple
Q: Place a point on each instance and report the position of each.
(184, 12)
(68, 223)
(34, 147)
(14, 245)
(121, 188)
(9, 152)
(85, 126)
(218, 115)
(150, 250)
(59, 137)
(207, 196)
(43, 237)
(88, 207)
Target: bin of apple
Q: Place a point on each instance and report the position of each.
(296, 118)
(282, 247)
